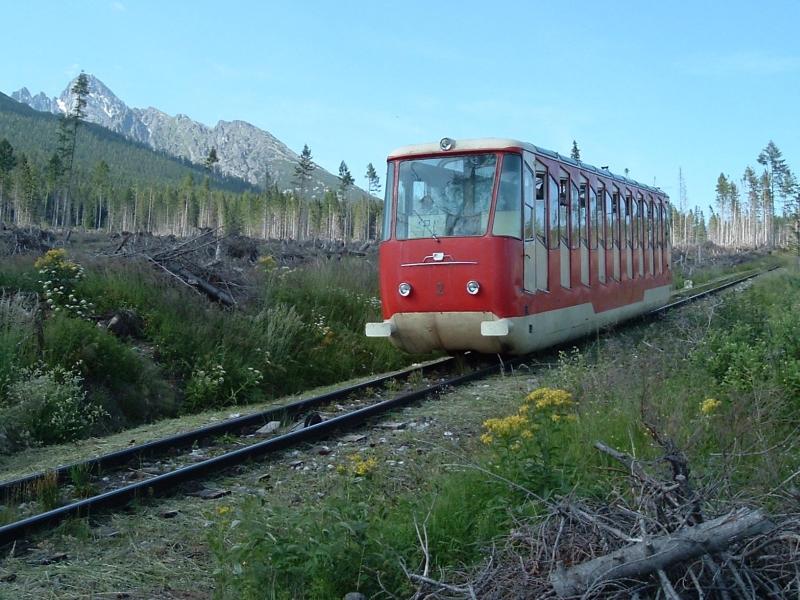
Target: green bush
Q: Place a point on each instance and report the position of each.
(135, 389)
(46, 406)
(17, 314)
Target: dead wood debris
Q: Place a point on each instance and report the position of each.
(25, 240)
(213, 264)
(657, 539)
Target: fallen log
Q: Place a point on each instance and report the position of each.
(659, 553)
(207, 288)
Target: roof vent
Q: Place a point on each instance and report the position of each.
(447, 144)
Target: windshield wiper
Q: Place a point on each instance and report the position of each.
(425, 224)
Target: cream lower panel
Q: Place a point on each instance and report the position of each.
(453, 331)
(550, 328)
(456, 331)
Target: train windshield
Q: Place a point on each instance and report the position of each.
(449, 196)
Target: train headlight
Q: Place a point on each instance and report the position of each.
(473, 287)
(404, 289)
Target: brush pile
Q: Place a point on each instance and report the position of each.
(214, 264)
(655, 537)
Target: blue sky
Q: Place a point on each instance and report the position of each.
(646, 86)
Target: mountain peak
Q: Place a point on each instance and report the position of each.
(244, 150)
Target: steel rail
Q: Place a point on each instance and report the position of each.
(710, 291)
(120, 496)
(188, 438)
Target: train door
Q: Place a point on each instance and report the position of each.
(599, 226)
(528, 236)
(535, 183)
(540, 225)
(583, 226)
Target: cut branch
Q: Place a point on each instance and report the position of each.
(658, 553)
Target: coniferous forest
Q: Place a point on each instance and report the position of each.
(64, 173)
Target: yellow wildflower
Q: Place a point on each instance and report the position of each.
(268, 262)
(360, 466)
(549, 398)
(709, 406)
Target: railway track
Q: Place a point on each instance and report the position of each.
(116, 491)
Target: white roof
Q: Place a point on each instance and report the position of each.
(494, 144)
(461, 145)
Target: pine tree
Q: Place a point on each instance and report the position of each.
(373, 188)
(211, 160)
(345, 180)
(373, 181)
(776, 172)
(575, 154)
(68, 137)
(303, 170)
(345, 183)
(7, 162)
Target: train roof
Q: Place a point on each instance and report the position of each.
(506, 144)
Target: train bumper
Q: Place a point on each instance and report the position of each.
(451, 331)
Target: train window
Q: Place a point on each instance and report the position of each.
(666, 218)
(508, 213)
(554, 205)
(540, 204)
(609, 223)
(635, 223)
(575, 217)
(583, 202)
(596, 214)
(615, 211)
(650, 225)
(601, 216)
(444, 196)
(528, 193)
(563, 209)
(628, 223)
(660, 230)
(642, 223)
(387, 203)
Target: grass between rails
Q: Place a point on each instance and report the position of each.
(304, 329)
(720, 379)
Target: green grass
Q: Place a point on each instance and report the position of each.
(302, 328)
(363, 532)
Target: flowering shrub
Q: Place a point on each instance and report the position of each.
(526, 443)
(47, 406)
(321, 328)
(709, 406)
(58, 277)
(213, 385)
(359, 466)
(268, 263)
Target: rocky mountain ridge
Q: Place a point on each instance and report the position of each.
(244, 150)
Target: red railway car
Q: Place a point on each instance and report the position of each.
(496, 245)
